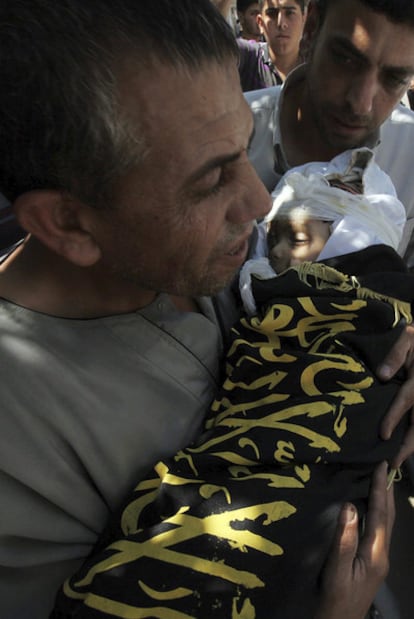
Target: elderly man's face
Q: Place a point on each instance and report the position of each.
(360, 66)
(182, 218)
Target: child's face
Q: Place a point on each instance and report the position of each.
(292, 241)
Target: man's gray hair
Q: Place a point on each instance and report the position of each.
(60, 123)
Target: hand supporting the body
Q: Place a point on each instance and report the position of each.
(356, 568)
(400, 356)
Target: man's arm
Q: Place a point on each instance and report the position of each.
(356, 568)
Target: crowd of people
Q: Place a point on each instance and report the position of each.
(267, 63)
(138, 171)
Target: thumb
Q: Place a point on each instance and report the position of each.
(345, 545)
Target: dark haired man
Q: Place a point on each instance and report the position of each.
(132, 180)
(360, 63)
(247, 12)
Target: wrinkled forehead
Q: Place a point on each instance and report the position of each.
(155, 96)
(188, 120)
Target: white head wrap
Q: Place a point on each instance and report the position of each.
(359, 220)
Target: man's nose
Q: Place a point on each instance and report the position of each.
(255, 202)
(362, 92)
(281, 20)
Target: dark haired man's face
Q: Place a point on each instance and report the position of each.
(248, 20)
(281, 22)
(360, 67)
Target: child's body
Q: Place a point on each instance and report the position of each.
(239, 524)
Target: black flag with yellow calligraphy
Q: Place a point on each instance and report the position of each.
(239, 524)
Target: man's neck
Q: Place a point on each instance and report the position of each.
(40, 280)
(185, 304)
(283, 64)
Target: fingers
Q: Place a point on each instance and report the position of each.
(402, 353)
(338, 597)
(406, 449)
(402, 403)
(372, 549)
(339, 565)
(375, 543)
(347, 535)
(355, 569)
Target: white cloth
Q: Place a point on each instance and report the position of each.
(393, 154)
(359, 220)
(260, 267)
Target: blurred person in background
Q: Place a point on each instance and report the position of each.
(247, 12)
(268, 63)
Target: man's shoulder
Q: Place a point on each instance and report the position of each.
(394, 155)
(401, 119)
(248, 45)
(264, 99)
(396, 138)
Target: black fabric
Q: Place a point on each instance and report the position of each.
(239, 524)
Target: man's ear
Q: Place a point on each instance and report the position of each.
(57, 219)
(260, 22)
(310, 30)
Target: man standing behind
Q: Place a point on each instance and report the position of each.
(361, 61)
(267, 64)
(247, 12)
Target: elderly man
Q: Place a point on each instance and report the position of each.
(123, 147)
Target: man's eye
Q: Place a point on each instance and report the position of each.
(395, 81)
(272, 13)
(214, 188)
(343, 59)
